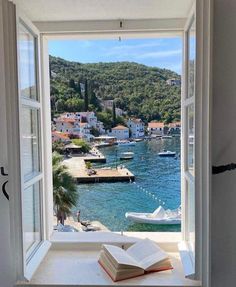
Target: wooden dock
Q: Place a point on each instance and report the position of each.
(77, 168)
(106, 175)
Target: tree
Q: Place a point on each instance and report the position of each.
(94, 101)
(60, 105)
(140, 90)
(65, 195)
(86, 101)
(58, 147)
(94, 132)
(85, 147)
(74, 105)
(113, 114)
(72, 84)
(78, 88)
(106, 118)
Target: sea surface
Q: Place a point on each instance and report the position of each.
(157, 182)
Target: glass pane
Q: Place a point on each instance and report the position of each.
(30, 141)
(31, 216)
(191, 60)
(191, 138)
(191, 214)
(27, 63)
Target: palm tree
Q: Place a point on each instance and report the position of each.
(64, 189)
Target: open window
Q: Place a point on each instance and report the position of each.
(26, 153)
(29, 151)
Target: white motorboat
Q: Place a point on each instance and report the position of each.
(126, 143)
(159, 216)
(102, 144)
(167, 153)
(126, 156)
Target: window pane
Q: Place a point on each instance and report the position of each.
(27, 64)
(31, 216)
(30, 141)
(191, 138)
(191, 60)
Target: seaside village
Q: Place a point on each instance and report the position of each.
(81, 124)
(80, 135)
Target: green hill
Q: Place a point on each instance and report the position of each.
(140, 90)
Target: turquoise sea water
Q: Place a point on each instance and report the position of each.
(157, 182)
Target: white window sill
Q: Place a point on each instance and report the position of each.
(72, 261)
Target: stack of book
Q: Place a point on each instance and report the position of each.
(143, 257)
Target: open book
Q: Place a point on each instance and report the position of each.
(142, 257)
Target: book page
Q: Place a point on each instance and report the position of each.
(156, 260)
(143, 249)
(119, 257)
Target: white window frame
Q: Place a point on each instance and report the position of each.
(25, 265)
(98, 30)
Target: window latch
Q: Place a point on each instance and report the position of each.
(223, 168)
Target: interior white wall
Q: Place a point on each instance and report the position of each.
(223, 223)
(5, 248)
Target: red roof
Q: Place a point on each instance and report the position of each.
(120, 127)
(155, 125)
(136, 120)
(66, 120)
(61, 135)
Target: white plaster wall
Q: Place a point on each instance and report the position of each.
(223, 222)
(5, 250)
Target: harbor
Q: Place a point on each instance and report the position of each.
(157, 182)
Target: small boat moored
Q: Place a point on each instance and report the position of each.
(167, 153)
(127, 156)
(159, 216)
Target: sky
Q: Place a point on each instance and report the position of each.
(161, 52)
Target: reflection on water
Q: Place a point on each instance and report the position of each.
(157, 181)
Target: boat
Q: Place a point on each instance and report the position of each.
(138, 140)
(167, 153)
(127, 156)
(102, 144)
(159, 216)
(126, 143)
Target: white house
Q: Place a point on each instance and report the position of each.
(136, 127)
(120, 132)
(156, 128)
(65, 125)
(79, 124)
(88, 117)
(174, 128)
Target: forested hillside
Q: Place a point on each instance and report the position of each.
(140, 90)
